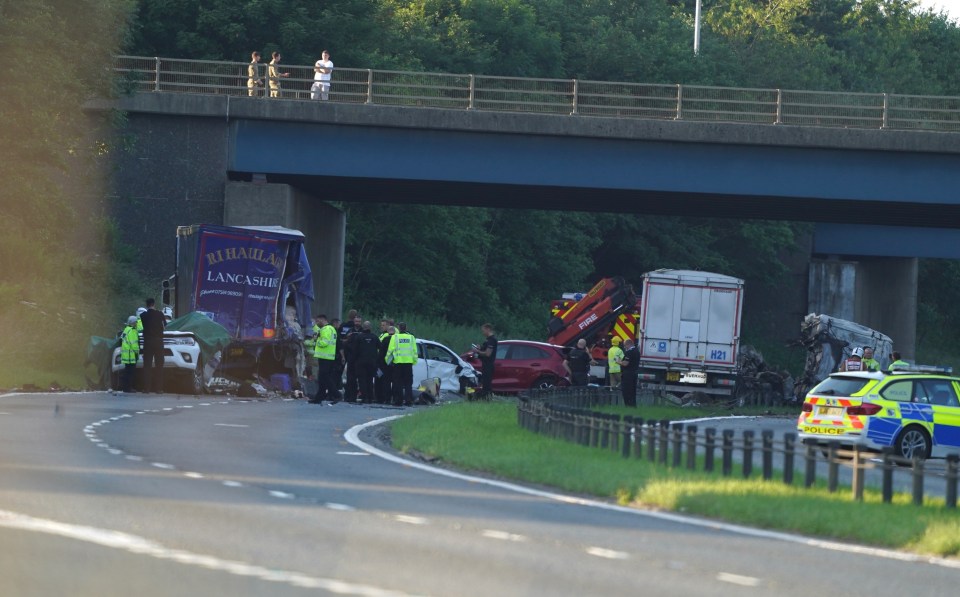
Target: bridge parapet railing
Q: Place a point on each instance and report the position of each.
(553, 96)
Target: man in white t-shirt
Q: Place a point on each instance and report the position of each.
(321, 77)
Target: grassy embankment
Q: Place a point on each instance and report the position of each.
(486, 438)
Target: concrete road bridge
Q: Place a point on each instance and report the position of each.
(877, 173)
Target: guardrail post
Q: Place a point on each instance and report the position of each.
(747, 453)
(156, 73)
(857, 473)
(779, 119)
(627, 431)
(767, 443)
(651, 432)
(604, 421)
(887, 486)
(677, 433)
(789, 450)
(917, 473)
(473, 89)
(576, 97)
(833, 467)
(727, 449)
(664, 440)
(679, 115)
(691, 447)
(810, 473)
(886, 106)
(709, 445)
(953, 460)
(369, 85)
(637, 437)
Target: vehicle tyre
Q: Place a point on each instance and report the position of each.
(544, 382)
(193, 384)
(913, 442)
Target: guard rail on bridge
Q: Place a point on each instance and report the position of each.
(556, 96)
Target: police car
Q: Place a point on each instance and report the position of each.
(915, 410)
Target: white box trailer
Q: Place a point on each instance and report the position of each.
(689, 332)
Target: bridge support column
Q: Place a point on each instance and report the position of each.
(880, 293)
(268, 204)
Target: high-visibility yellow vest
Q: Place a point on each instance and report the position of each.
(614, 356)
(129, 345)
(326, 347)
(402, 349)
(310, 342)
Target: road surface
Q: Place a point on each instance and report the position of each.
(163, 495)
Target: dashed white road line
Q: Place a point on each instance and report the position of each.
(610, 554)
(163, 465)
(340, 507)
(418, 520)
(282, 495)
(228, 425)
(353, 436)
(233, 484)
(503, 535)
(737, 579)
(142, 546)
(193, 475)
(352, 453)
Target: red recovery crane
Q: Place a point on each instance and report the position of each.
(609, 309)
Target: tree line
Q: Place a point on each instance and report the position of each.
(59, 244)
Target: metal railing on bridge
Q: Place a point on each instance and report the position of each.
(554, 96)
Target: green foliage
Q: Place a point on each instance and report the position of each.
(485, 437)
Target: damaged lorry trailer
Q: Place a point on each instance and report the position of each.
(254, 281)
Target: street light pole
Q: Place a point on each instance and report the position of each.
(696, 30)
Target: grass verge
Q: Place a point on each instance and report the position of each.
(485, 437)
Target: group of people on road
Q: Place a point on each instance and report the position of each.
(622, 366)
(149, 322)
(322, 72)
(861, 359)
(379, 369)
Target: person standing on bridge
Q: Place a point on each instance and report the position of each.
(253, 74)
(321, 77)
(274, 75)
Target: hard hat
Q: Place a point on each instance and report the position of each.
(857, 352)
(615, 341)
(141, 310)
(132, 320)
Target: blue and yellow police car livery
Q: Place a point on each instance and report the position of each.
(917, 412)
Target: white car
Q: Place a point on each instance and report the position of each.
(436, 360)
(183, 368)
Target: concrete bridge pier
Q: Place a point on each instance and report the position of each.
(878, 292)
(268, 204)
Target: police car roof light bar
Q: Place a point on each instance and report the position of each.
(923, 369)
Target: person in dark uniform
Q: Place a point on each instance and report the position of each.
(577, 364)
(384, 383)
(366, 350)
(339, 362)
(349, 330)
(487, 353)
(629, 365)
(153, 325)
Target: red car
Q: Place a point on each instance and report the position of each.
(522, 365)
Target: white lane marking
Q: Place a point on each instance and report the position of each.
(204, 404)
(141, 546)
(737, 579)
(352, 453)
(166, 409)
(193, 475)
(341, 507)
(4, 413)
(233, 484)
(503, 535)
(141, 412)
(186, 406)
(410, 519)
(282, 495)
(610, 554)
(163, 465)
(228, 425)
(115, 451)
(134, 458)
(353, 436)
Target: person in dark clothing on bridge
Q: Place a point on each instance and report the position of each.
(578, 363)
(153, 325)
(629, 366)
